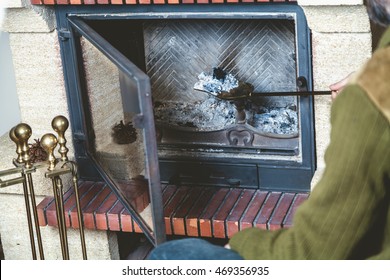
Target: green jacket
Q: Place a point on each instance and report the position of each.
(348, 213)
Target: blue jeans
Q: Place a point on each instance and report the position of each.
(192, 249)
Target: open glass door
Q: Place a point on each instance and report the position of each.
(120, 127)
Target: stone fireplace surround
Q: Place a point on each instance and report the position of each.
(338, 27)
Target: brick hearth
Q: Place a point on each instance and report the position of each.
(191, 211)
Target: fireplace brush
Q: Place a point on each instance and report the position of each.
(20, 134)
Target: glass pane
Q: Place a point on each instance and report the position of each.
(119, 132)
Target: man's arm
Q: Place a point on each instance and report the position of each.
(343, 206)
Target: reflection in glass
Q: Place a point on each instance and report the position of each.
(118, 145)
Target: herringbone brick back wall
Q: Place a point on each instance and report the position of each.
(259, 52)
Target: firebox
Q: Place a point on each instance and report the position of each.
(141, 84)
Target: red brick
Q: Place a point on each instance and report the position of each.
(181, 212)
(137, 228)
(103, 1)
(281, 211)
(263, 1)
(131, 2)
(192, 218)
(233, 221)
(68, 197)
(89, 212)
(158, 1)
(219, 229)
(84, 203)
(36, 2)
(113, 216)
(267, 210)
(232, 1)
(202, 1)
(89, 2)
(117, 2)
(70, 203)
(136, 193)
(173, 1)
(145, 1)
(252, 210)
(62, 2)
(188, 1)
(75, 2)
(126, 221)
(41, 210)
(171, 206)
(101, 212)
(299, 199)
(217, 1)
(49, 2)
(205, 219)
(167, 193)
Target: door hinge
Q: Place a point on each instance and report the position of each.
(64, 34)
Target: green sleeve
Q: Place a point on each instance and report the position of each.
(349, 202)
(385, 39)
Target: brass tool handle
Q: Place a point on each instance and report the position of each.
(12, 136)
(20, 135)
(48, 143)
(60, 124)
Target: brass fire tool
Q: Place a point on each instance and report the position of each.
(55, 168)
(20, 135)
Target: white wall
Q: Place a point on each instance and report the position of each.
(9, 106)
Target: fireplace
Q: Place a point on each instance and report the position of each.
(201, 140)
(132, 74)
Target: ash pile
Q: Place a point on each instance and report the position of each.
(215, 114)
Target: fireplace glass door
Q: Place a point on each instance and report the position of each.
(120, 126)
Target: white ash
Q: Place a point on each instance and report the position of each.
(213, 114)
(214, 86)
(208, 115)
(276, 120)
